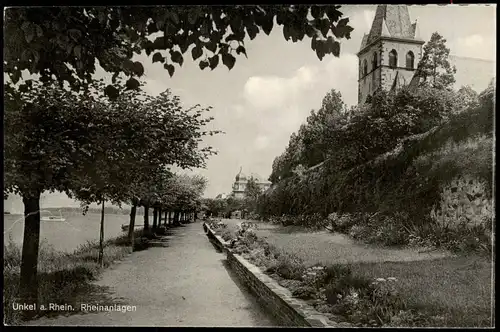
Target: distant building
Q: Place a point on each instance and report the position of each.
(241, 181)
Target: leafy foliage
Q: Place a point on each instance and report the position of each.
(44, 39)
(434, 67)
(393, 156)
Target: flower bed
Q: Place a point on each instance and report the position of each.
(332, 290)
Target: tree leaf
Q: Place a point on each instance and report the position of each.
(267, 24)
(240, 49)
(211, 46)
(176, 57)
(252, 31)
(320, 49)
(286, 31)
(333, 13)
(203, 64)
(138, 68)
(213, 61)
(159, 43)
(132, 84)
(157, 57)
(128, 65)
(111, 92)
(170, 68)
(196, 52)
(324, 27)
(228, 60)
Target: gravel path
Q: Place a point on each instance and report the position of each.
(185, 284)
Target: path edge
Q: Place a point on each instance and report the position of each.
(287, 309)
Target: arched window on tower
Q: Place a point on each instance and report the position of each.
(375, 60)
(365, 67)
(410, 60)
(393, 59)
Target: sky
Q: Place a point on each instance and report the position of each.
(266, 97)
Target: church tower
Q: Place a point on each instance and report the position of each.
(390, 53)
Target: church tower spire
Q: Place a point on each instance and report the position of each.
(389, 53)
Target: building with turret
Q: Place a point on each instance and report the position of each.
(389, 53)
(241, 181)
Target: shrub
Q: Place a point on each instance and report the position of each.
(340, 222)
(305, 292)
(227, 235)
(386, 300)
(11, 255)
(387, 230)
(287, 266)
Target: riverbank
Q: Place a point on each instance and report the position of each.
(62, 276)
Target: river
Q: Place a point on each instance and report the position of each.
(67, 235)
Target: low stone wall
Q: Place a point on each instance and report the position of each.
(278, 300)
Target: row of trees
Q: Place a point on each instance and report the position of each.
(98, 150)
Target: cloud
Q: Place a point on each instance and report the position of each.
(271, 92)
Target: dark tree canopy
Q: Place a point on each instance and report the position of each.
(65, 42)
(435, 67)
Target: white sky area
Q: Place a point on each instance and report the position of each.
(266, 97)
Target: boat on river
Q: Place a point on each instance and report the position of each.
(53, 218)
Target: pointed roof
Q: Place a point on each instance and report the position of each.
(363, 42)
(391, 21)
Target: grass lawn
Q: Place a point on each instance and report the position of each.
(327, 248)
(459, 289)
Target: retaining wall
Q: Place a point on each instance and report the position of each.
(278, 300)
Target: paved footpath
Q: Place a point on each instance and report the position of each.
(185, 284)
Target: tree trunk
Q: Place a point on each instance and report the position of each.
(169, 217)
(159, 216)
(146, 217)
(155, 218)
(101, 238)
(28, 286)
(176, 218)
(131, 226)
